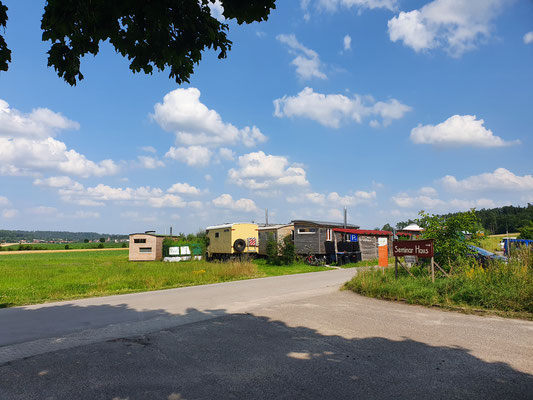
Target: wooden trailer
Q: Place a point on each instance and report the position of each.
(312, 237)
(230, 240)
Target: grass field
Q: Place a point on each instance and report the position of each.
(492, 243)
(502, 289)
(59, 246)
(39, 278)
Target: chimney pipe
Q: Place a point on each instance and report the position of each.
(345, 218)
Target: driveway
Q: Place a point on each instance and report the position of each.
(316, 343)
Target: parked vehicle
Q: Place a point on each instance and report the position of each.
(484, 256)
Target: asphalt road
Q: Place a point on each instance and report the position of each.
(313, 343)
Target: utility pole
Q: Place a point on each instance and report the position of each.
(266, 216)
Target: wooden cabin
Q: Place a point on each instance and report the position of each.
(146, 246)
(311, 237)
(274, 232)
(230, 240)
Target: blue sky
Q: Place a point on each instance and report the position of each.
(386, 107)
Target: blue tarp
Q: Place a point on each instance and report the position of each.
(518, 242)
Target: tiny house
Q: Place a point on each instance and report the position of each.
(273, 232)
(230, 240)
(146, 246)
(311, 237)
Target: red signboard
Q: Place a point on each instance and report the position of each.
(419, 248)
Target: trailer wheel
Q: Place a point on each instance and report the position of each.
(239, 245)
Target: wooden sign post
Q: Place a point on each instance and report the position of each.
(419, 248)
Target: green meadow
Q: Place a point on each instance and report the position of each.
(45, 277)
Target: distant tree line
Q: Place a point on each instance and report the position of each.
(16, 236)
(496, 221)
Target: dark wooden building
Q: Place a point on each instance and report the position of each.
(311, 237)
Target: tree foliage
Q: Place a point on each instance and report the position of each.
(526, 232)
(161, 34)
(452, 234)
(281, 252)
(498, 220)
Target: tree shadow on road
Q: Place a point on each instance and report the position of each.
(244, 356)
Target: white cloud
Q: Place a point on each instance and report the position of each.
(528, 37)
(28, 147)
(426, 202)
(458, 130)
(306, 61)
(81, 215)
(333, 5)
(261, 171)
(168, 201)
(499, 180)
(331, 110)
(428, 191)
(195, 156)
(194, 124)
(10, 213)
(455, 25)
(217, 10)
(42, 210)
(138, 217)
(148, 149)
(304, 4)
(333, 199)
(226, 154)
(57, 182)
(183, 188)
(226, 201)
(150, 162)
(347, 42)
(39, 124)
(208, 177)
(31, 156)
(4, 201)
(434, 204)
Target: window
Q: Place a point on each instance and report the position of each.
(226, 230)
(139, 240)
(217, 234)
(145, 250)
(307, 231)
(328, 235)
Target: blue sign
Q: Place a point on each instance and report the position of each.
(354, 237)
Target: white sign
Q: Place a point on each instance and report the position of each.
(382, 241)
(410, 259)
(185, 251)
(173, 251)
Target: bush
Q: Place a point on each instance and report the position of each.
(67, 247)
(279, 253)
(526, 232)
(100, 246)
(124, 245)
(452, 235)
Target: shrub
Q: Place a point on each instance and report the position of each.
(67, 247)
(452, 235)
(100, 246)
